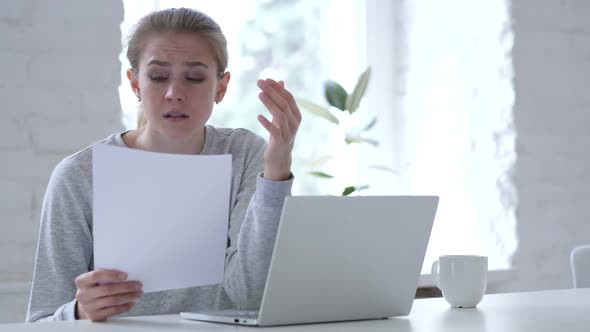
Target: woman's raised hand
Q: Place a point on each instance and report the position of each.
(286, 118)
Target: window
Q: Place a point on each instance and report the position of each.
(446, 97)
(441, 89)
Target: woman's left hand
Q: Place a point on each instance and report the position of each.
(286, 118)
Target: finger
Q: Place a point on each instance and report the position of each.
(92, 278)
(291, 99)
(113, 300)
(283, 117)
(102, 315)
(296, 111)
(272, 129)
(271, 88)
(288, 97)
(278, 117)
(88, 295)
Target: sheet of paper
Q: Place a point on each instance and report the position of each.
(162, 218)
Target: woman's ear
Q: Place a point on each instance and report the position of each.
(222, 83)
(134, 82)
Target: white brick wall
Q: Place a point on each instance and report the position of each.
(552, 117)
(59, 91)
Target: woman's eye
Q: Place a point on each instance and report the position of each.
(195, 79)
(158, 78)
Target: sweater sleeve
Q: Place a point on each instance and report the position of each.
(64, 249)
(253, 227)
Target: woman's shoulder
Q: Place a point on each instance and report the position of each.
(235, 138)
(80, 162)
(235, 133)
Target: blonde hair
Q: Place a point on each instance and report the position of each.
(181, 20)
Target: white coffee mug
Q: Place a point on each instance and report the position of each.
(461, 278)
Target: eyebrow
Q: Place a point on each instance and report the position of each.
(166, 64)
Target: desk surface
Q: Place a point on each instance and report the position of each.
(562, 310)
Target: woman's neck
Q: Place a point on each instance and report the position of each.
(148, 139)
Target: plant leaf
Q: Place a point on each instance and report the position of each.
(354, 99)
(335, 95)
(370, 125)
(321, 174)
(349, 190)
(363, 187)
(358, 139)
(320, 162)
(383, 168)
(317, 110)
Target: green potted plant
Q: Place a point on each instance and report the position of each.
(342, 104)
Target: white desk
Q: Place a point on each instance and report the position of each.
(563, 310)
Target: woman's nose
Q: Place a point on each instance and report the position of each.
(174, 92)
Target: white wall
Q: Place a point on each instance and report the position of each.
(552, 117)
(59, 73)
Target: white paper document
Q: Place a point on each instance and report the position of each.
(162, 218)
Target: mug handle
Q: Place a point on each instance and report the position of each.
(434, 273)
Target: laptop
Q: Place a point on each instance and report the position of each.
(339, 258)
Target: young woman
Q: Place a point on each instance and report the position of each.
(178, 63)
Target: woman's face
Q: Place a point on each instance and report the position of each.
(178, 82)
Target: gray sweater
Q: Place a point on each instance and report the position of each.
(65, 239)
